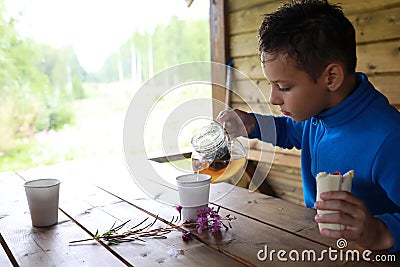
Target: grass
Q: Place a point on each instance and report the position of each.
(98, 127)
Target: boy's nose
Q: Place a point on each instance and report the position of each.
(275, 98)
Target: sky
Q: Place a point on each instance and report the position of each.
(95, 28)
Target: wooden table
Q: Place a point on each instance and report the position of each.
(95, 194)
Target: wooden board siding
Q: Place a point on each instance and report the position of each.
(377, 25)
(219, 51)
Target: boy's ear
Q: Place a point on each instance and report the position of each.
(334, 76)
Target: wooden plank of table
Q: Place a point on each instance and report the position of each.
(123, 184)
(12, 194)
(49, 246)
(6, 256)
(165, 211)
(43, 246)
(100, 210)
(297, 218)
(281, 214)
(308, 214)
(273, 211)
(244, 240)
(270, 210)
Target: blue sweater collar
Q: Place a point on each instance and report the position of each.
(350, 107)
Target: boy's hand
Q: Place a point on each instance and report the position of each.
(361, 226)
(237, 122)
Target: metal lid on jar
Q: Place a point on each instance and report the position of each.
(209, 138)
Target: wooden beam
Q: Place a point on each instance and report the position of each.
(219, 52)
(171, 157)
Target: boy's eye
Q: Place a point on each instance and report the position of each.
(277, 87)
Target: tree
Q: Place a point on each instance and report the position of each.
(177, 42)
(22, 85)
(35, 81)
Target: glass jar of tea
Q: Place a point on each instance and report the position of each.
(217, 154)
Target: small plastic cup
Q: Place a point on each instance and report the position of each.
(194, 192)
(43, 196)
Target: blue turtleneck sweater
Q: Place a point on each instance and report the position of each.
(362, 133)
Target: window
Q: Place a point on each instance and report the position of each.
(72, 68)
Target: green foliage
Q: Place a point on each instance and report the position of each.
(34, 80)
(178, 42)
(60, 116)
(77, 88)
(64, 71)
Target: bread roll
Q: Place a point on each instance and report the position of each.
(332, 182)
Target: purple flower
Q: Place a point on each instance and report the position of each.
(203, 212)
(216, 229)
(216, 225)
(214, 214)
(207, 219)
(202, 224)
(186, 236)
(216, 219)
(202, 221)
(179, 208)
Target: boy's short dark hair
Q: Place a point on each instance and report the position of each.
(312, 32)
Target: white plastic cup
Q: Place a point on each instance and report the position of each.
(43, 195)
(194, 192)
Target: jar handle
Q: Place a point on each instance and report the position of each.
(230, 141)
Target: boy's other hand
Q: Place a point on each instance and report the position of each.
(237, 122)
(360, 226)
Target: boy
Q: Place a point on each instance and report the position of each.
(338, 119)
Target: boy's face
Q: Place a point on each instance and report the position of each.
(293, 90)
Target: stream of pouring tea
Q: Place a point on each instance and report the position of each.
(223, 170)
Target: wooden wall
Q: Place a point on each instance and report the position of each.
(377, 25)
